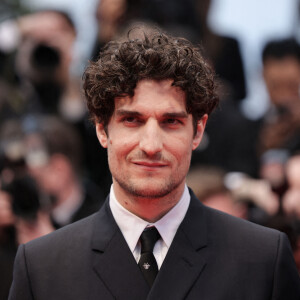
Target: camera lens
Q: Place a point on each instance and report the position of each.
(45, 58)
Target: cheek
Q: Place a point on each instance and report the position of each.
(181, 149)
(116, 151)
(121, 144)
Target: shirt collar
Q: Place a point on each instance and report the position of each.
(132, 226)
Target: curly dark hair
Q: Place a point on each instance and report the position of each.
(158, 56)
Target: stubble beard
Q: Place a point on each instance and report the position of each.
(160, 191)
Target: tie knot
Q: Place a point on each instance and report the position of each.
(148, 239)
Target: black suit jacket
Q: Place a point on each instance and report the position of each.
(213, 257)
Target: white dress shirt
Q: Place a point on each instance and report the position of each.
(132, 226)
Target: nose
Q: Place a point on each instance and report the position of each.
(151, 140)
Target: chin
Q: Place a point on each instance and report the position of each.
(149, 189)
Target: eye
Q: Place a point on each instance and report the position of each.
(172, 121)
(130, 121)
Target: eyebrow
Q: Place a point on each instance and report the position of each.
(122, 112)
(181, 114)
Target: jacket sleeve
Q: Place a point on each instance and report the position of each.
(286, 284)
(20, 288)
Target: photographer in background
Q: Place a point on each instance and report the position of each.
(23, 211)
(31, 219)
(279, 132)
(22, 219)
(54, 158)
(23, 201)
(41, 44)
(38, 79)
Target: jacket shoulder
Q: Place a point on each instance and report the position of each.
(239, 229)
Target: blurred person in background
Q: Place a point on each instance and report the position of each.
(209, 187)
(278, 134)
(42, 53)
(223, 52)
(24, 213)
(231, 148)
(18, 188)
(115, 16)
(42, 82)
(23, 217)
(234, 193)
(291, 200)
(110, 15)
(279, 130)
(54, 158)
(31, 214)
(175, 17)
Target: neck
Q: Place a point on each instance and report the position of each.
(148, 209)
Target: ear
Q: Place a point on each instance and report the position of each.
(101, 135)
(200, 130)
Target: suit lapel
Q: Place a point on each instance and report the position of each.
(186, 257)
(113, 261)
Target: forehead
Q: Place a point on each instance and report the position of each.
(153, 95)
(55, 21)
(282, 69)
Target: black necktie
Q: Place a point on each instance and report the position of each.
(147, 262)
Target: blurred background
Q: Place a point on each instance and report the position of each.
(54, 172)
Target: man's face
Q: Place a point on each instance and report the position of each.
(150, 138)
(53, 31)
(282, 77)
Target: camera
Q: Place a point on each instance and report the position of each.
(25, 197)
(45, 60)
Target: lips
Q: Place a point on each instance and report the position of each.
(150, 164)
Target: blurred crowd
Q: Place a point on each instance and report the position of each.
(52, 168)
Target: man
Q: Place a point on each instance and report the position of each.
(53, 156)
(150, 98)
(279, 129)
(281, 72)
